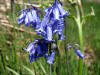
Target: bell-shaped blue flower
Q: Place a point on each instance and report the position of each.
(59, 26)
(62, 11)
(32, 55)
(44, 23)
(51, 58)
(30, 47)
(21, 18)
(30, 16)
(36, 19)
(79, 53)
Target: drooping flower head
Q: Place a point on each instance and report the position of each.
(39, 48)
(30, 17)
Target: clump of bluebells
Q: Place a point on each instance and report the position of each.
(51, 23)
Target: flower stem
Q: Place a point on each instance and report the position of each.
(50, 70)
(79, 24)
(81, 44)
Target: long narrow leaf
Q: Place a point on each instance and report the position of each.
(29, 70)
(12, 71)
(43, 69)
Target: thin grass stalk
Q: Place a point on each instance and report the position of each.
(50, 69)
(13, 71)
(43, 69)
(29, 70)
(66, 50)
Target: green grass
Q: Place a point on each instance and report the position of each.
(13, 60)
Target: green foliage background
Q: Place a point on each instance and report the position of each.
(14, 61)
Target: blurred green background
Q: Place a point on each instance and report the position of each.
(14, 37)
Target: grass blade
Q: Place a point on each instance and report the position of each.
(12, 71)
(44, 71)
(29, 70)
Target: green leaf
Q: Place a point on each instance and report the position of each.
(29, 70)
(12, 71)
(43, 69)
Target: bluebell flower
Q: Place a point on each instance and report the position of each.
(29, 17)
(21, 18)
(33, 55)
(36, 49)
(62, 11)
(36, 19)
(79, 53)
(30, 47)
(44, 23)
(51, 58)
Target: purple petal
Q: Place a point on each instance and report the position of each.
(51, 58)
(61, 9)
(32, 56)
(34, 14)
(27, 20)
(56, 13)
(22, 16)
(49, 33)
(79, 53)
(20, 21)
(30, 47)
(61, 37)
(30, 17)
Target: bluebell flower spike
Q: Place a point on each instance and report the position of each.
(79, 53)
(51, 58)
